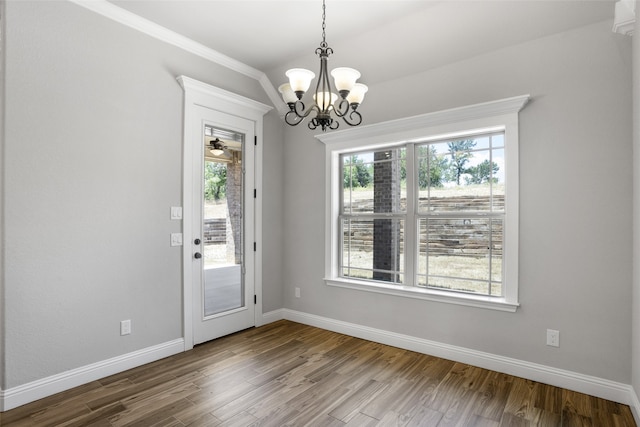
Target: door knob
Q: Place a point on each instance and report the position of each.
(196, 242)
(197, 255)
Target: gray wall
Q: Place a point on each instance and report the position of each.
(575, 206)
(92, 164)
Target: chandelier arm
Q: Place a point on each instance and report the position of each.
(292, 119)
(350, 120)
(323, 124)
(296, 113)
(348, 113)
(342, 108)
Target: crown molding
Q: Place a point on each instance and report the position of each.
(131, 20)
(229, 99)
(624, 17)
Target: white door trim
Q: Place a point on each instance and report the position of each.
(201, 94)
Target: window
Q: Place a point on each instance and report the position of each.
(427, 207)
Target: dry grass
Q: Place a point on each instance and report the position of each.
(360, 194)
(471, 273)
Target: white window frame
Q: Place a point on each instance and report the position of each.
(501, 115)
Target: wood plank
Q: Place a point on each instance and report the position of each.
(425, 417)
(352, 405)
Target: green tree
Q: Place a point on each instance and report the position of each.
(482, 173)
(434, 174)
(363, 174)
(356, 173)
(215, 180)
(460, 155)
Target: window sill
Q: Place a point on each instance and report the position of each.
(425, 294)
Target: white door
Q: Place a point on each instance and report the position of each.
(222, 244)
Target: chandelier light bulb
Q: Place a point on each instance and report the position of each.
(300, 80)
(288, 95)
(345, 78)
(325, 100)
(357, 93)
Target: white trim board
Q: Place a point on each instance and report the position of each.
(30, 392)
(594, 386)
(273, 316)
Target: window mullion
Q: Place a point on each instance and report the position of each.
(410, 223)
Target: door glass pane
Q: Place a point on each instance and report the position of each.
(223, 287)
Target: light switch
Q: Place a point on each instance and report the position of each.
(176, 212)
(176, 239)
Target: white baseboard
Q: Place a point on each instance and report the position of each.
(273, 316)
(635, 406)
(594, 386)
(21, 395)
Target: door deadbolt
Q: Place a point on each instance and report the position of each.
(196, 242)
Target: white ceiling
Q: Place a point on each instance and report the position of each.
(384, 39)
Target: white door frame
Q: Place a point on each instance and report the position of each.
(201, 94)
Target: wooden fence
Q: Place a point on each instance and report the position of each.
(215, 231)
(471, 236)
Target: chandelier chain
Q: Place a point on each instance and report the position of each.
(324, 26)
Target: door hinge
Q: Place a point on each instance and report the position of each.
(255, 193)
(255, 246)
(255, 140)
(255, 299)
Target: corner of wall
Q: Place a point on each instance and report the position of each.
(2, 136)
(635, 327)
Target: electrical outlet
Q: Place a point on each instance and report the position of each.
(553, 338)
(125, 327)
(297, 292)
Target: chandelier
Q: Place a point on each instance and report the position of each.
(325, 102)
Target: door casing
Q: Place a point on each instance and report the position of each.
(198, 94)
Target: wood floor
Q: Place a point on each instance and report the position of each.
(288, 374)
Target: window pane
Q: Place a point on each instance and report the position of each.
(373, 249)
(459, 175)
(461, 254)
(498, 178)
(374, 182)
(497, 140)
(482, 143)
(432, 167)
(347, 173)
(497, 243)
